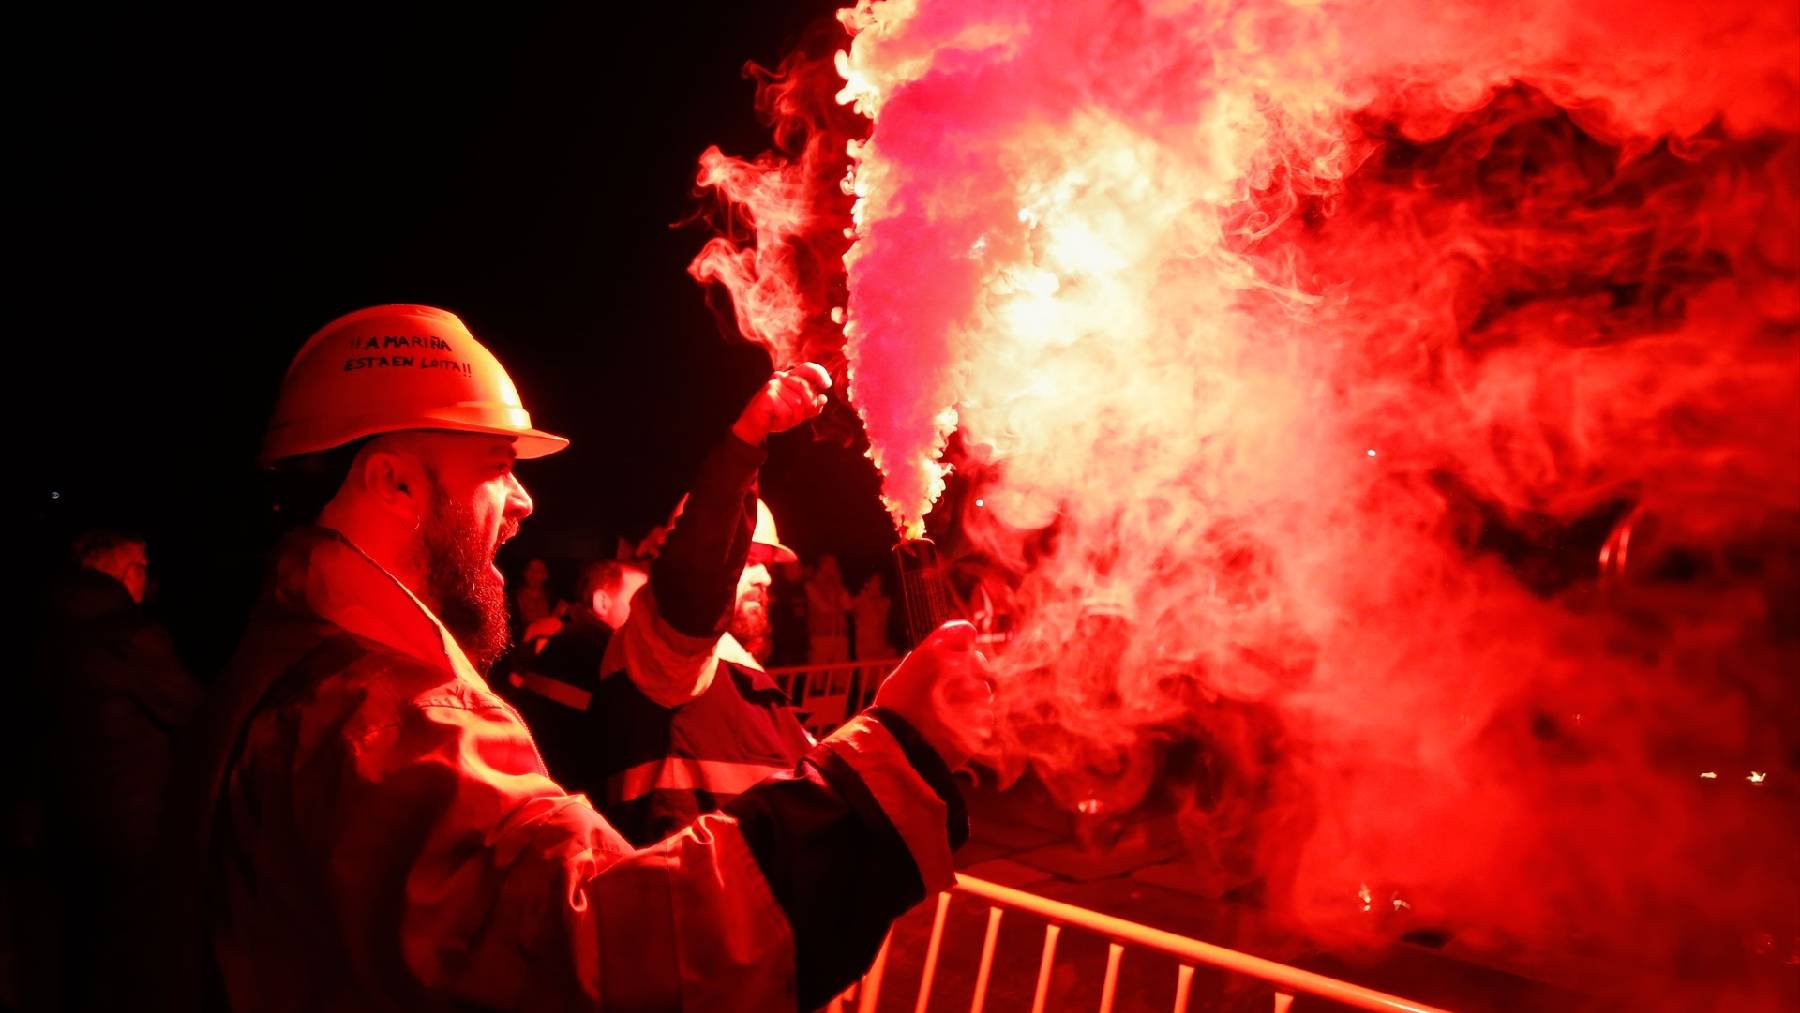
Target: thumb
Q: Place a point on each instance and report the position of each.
(956, 635)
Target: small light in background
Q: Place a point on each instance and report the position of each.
(981, 502)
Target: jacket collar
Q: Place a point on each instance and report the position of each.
(322, 571)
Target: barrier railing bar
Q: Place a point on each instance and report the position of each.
(931, 952)
(1184, 984)
(853, 683)
(1110, 990)
(871, 982)
(1183, 948)
(987, 958)
(1051, 931)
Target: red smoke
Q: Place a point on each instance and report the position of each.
(784, 216)
(1404, 402)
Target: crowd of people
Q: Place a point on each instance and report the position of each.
(410, 789)
(811, 616)
(652, 772)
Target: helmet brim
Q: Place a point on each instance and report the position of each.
(763, 552)
(527, 443)
(537, 443)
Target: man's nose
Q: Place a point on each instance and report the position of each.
(518, 501)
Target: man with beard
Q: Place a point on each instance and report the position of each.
(751, 623)
(658, 730)
(377, 830)
(684, 724)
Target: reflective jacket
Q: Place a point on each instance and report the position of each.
(381, 834)
(669, 718)
(663, 766)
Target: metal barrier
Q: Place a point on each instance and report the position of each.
(1188, 952)
(826, 695)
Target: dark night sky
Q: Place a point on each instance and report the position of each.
(194, 209)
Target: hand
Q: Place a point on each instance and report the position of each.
(791, 397)
(543, 629)
(942, 688)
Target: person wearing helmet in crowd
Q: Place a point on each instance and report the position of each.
(378, 831)
(751, 624)
(680, 725)
(658, 732)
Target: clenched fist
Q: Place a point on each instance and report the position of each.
(791, 397)
(942, 688)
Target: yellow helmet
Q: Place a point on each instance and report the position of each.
(389, 368)
(765, 541)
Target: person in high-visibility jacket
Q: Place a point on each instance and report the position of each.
(379, 830)
(683, 718)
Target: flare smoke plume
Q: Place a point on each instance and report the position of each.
(1401, 399)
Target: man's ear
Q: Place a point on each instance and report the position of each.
(393, 479)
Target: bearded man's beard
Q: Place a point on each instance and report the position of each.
(750, 623)
(460, 583)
